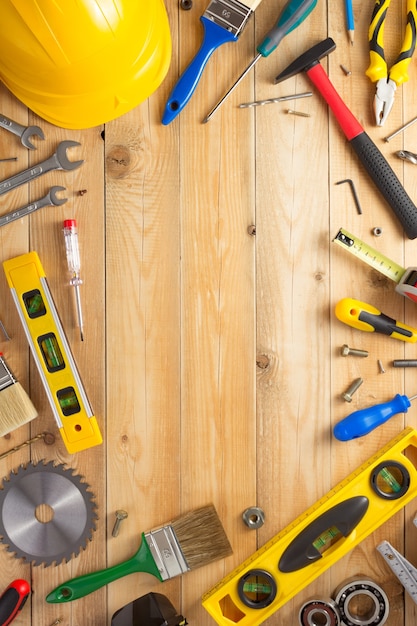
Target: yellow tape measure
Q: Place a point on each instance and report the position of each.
(318, 538)
(51, 351)
(406, 279)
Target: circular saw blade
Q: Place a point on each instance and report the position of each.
(47, 514)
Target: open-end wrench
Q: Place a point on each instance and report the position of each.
(50, 199)
(24, 132)
(58, 161)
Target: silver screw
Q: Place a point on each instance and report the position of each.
(345, 70)
(381, 367)
(347, 395)
(345, 351)
(120, 516)
(300, 113)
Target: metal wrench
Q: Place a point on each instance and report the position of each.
(58, 161)
(50, 199)
(24, 132)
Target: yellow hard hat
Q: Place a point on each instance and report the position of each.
(81, 63)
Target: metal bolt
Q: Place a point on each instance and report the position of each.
(345, 351)
(347, 395)
(120, 516)
(253, 517)
(404, 363)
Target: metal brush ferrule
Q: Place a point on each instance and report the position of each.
(6, 376)
(230, 14)
(166, 552)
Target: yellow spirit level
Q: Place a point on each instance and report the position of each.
(318, 538)
(51, 351)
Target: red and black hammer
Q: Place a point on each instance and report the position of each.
(370, 156)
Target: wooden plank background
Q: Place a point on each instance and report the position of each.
(211, 353)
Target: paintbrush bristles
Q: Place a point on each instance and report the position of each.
(16, 408)
(201, 537)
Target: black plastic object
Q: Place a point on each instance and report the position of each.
(153, 609)
(13, 600)
(302, 550)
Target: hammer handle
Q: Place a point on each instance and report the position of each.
(370, 156)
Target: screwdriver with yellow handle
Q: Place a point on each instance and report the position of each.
(368, 318)
(386, 80)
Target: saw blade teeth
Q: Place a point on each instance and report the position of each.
(27, 490)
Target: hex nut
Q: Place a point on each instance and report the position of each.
(253, 517)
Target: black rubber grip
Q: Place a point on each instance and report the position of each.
(387, 182)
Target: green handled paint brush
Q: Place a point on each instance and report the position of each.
(191, 541)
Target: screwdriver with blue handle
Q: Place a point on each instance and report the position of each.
(293, 14)
(368, 318)
(360, 423)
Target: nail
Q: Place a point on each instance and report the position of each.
(400, 130)
(346, 71)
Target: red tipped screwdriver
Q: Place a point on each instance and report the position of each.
(362, 422)
(74, 265)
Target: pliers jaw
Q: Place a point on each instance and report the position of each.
(384, 99)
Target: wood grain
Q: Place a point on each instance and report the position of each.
(212, 353)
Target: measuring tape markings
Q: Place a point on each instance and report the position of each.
(358, 483)
(349, 591)
(51, 352)
(401, 567)
(406, 279)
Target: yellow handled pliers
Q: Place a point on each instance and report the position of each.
(388, 80)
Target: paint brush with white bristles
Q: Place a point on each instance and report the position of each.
(190, 541)
(16, 407)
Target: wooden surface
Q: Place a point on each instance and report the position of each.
(211, 354)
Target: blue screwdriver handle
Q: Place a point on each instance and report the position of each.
(295, 12)
(362, 422)
(214, 36)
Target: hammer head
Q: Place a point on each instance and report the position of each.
(307, 59)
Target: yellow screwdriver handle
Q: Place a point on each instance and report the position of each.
(368, 318)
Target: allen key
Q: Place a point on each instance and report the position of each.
(355, 195)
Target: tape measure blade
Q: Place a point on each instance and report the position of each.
(369, 255)
(401, 567)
